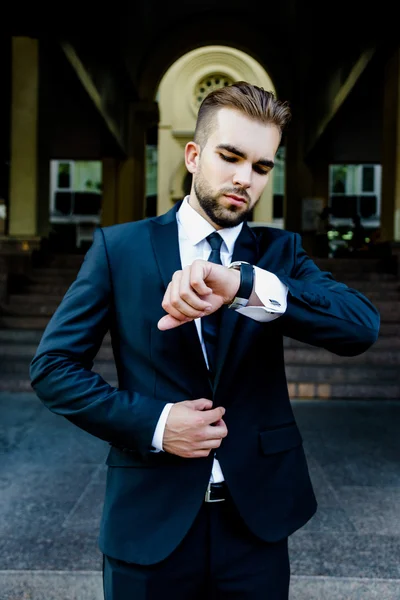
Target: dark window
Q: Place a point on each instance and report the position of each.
(278, 206)
(344, 207)
(64, 175)
(368, 206)
(368, 183)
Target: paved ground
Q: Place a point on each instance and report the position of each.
(52, 483)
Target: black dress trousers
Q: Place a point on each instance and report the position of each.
(219, 559)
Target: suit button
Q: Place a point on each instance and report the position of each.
(308, 297)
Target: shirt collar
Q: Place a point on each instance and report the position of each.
(197, 228)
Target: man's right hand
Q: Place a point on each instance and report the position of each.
(193, 428)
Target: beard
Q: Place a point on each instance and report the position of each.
(221, 215)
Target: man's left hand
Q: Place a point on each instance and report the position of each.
(197, 291)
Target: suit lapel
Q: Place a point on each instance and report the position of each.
(246, 249)
(165, 241)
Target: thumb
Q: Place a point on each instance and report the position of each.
(201, 404)
(168, 322)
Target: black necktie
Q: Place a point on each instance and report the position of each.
(210, 323)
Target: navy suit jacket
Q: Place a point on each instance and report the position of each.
(152, 498)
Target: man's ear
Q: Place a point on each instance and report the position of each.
(192, 155)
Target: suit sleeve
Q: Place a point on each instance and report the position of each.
(61, 372)
(324, 312)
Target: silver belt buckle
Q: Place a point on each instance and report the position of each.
(207, 497)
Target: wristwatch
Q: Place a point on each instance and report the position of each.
(246, 283)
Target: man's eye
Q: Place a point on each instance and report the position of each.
(260, 170)
(230, 159)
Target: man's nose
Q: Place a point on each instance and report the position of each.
(242, 176)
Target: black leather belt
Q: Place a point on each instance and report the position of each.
(216, 492)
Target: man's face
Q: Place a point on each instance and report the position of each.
(232, 170)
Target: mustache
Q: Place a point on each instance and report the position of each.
(237, 191)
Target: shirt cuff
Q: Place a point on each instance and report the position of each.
(159, 431)
(271, 292)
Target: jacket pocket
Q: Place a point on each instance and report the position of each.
(280, 440)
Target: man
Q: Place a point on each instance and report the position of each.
(207, 475)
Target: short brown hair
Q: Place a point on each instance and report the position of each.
(251, 100)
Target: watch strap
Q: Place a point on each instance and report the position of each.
(246, 284)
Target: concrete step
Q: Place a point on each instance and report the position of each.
(12, 352)
(60, 279)
(319, 364)
(350, 391)
(301, 389)
(342, 374)
(383, 343)
(295, 372)
(380, 295)
(387, 329)
(25, 299)
(21, 337)
(18, 365)
(366, 286)
(46, 288)
(66, 260)
(13, 322)
(319, 356)
(380, 354)
(31, 336)
(28, 310)
(351, 276)
(389, 311)
(54, 271)
(15, 382)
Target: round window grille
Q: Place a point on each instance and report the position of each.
(208, 84)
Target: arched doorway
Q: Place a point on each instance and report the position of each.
(180, 93)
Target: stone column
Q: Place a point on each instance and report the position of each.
(130, 189)
(390, 208)
(16, 248)
(123, 190)
(24, 115)
(124, 179)
(298, 179)
(109, 198)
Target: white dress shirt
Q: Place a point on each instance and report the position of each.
(192, 231)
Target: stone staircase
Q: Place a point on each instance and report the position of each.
(311, 372)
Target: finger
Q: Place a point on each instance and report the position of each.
(213, 432)
(199, 271)
(167, 296)
(171, 310)
(200, 453)
(179, 305)
(209, 444)
(201, 404)
(213, 415)
(188, 295)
